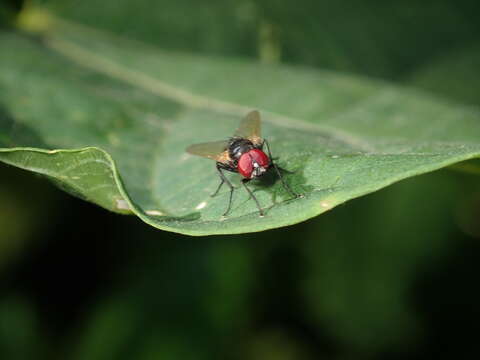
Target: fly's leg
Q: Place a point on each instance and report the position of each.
(284, 183)
(226, 181)
(218, 188)
(244, 183)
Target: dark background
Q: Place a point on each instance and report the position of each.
(392, 275)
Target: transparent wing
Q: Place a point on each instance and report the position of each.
(213, 150)
(250, 127)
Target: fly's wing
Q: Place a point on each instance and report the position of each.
(250, 128)
(214, 150)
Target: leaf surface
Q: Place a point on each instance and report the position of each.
(108, 119)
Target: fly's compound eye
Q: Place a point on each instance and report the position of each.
(253, 163)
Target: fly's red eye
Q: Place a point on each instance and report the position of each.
(247, 161)
(245, 166)
(259, 157)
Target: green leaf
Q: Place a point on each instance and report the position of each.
(108, 119)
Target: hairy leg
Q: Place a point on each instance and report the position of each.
(224, 180)
(244, 183)
(284, 183)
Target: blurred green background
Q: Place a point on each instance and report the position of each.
(388, 276)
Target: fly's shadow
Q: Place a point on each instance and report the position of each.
(293, 176)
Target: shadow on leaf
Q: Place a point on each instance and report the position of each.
(294, 177)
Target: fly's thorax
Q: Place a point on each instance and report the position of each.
(239, 146)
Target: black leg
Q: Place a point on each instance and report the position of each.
(285, 185)
(244, 182)
(224, 180)
(218, 188)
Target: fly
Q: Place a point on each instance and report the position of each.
(242, 153)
